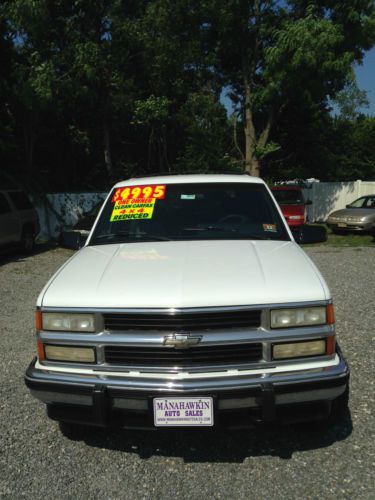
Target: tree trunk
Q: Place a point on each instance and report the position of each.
(150, 145)
(107, 148)
(252, 165)
(29, 126)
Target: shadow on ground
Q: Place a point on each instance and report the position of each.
(196, 446)
(16, 255)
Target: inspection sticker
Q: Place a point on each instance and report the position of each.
(271, 228)
(140, 208)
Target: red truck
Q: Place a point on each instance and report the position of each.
(292, 204)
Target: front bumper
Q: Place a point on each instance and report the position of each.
(351, 226)
(124, 400)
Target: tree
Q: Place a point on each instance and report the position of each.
(269, 52)
(94, 91)
(207, 136)
(351, 100)
(351, 147)
(76, 55)
(7, 143)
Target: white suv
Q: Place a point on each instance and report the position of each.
(19, 223)
(190, 304)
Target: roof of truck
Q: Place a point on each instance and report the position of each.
(190, 179)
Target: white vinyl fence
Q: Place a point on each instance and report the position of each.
(329, 196)
(62, 209)
(66, 208)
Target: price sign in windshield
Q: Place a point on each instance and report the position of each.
(135, 192)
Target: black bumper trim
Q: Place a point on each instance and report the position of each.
(101, 414)
(87, 389)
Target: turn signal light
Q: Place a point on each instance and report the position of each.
(331, 345)
(330, 314)
(40, 349)
(38, 320)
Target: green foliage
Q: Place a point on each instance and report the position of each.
(205, 125)
(351, 100)
(269, 148)
(352, 152)
(151, 110)
(94, 91)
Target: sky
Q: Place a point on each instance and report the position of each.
(366, 79)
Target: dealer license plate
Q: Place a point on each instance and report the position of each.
(188, 412)
(342, 224)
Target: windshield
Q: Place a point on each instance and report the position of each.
(189, 212)
(364, 202)
(288, 196)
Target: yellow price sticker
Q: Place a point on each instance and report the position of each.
(136, 209)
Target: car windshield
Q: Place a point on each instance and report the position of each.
(288, 196)
(204, 211)
(364, 202)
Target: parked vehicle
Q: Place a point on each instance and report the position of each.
(74, 235)
(190, 304)
(358, 216)
(19, 223)
(292, 203)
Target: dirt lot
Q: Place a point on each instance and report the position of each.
(280, 462)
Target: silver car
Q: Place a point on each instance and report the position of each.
(358, 216)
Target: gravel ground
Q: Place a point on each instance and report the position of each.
(37, 461)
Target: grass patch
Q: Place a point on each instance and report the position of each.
(350, 240)
(347, 239)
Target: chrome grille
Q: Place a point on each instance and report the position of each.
(178, 320)
(166, 356)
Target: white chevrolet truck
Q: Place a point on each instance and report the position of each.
(190, 304)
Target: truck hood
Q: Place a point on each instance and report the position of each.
(185, 274)
(353, 212)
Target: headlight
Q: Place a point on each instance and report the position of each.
(68, 353)
(355, 219)
(299, 349)
(68, 322)
(306, 316)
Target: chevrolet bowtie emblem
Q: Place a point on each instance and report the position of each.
(181, 340)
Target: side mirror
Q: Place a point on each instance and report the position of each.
(72, 239)
(308, 202)
(310, 234)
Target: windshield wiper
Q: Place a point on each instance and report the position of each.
(211, 228)
(118, 235)
(150, 237)
(242, 235)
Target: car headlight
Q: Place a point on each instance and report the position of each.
(355, 219)
(67, 322)
(304, 316)
(299, 349)
(69, 353)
